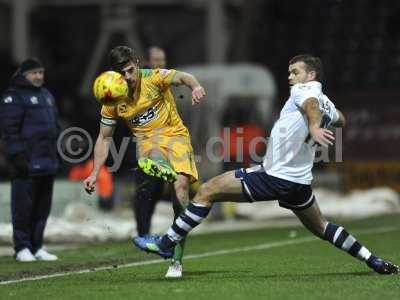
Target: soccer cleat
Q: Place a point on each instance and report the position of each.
(43, 255)
(160, 169)
(152, 243)
(174, 270)
(24, 255)
(381, 266)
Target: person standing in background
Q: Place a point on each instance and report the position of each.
(156, 58)
(29, 128)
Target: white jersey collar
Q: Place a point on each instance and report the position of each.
(314, 84)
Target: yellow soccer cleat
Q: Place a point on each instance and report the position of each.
(159, 168)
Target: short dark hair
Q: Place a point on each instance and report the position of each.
(120, 56)
(313, 63)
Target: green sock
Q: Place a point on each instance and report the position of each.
(178, 251)
(179, 248)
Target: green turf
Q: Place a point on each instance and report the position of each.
(309, 270)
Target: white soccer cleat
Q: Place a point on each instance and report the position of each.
(174, 270)
(25, 255)
(43, 255)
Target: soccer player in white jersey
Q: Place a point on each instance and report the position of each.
(285, 174)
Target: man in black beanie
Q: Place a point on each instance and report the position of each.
(29, 128)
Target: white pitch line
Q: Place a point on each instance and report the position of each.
(201, 255)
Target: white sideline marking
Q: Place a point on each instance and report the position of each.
(194, 256)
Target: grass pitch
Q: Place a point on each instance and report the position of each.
(270, 263)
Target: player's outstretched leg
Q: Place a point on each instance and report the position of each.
(180, 199)
(158, 168)
(193, 215)
(223, 187)
(340, 238)
(175, 269)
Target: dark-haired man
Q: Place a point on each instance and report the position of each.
(163, 142)
(149, 188)
(285, 174)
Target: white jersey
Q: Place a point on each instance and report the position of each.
(291, 152)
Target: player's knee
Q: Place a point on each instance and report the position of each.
(206, 192)
(182, 187)
(182, 183)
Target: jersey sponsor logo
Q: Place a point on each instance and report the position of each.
(7, 99)
(145, 117)
(107, 121)
(164, 72)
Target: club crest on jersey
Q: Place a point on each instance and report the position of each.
(122, 108)
(49, 102)
(34, 100)
(164, 72)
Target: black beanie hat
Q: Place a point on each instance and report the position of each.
(30, 64)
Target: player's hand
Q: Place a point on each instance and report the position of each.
(322, 136)
(89, 184)
(197, 94)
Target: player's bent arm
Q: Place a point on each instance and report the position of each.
(102, 147)
(183, 78)
(320, 135)
(341, 122)
(314, 116)
(189, 80)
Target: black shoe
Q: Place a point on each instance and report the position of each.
(381, 266)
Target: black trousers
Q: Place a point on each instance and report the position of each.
(30, 208)
(148, 192)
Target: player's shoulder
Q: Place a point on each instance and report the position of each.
(155, 74)
(311, 86)
(163, 73)
(308, 86)
(328, 100)
(146, 73)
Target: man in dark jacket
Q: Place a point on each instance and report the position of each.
(29, 128)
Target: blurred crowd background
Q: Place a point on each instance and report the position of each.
(358, 41)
